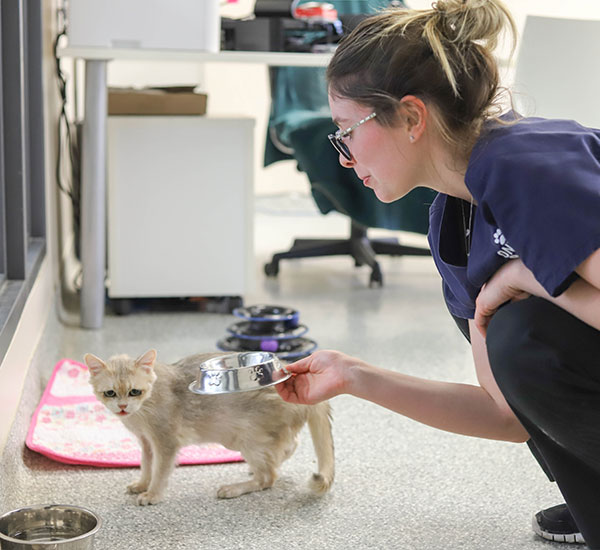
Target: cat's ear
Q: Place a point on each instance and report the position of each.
(95, 364)
(146, 361)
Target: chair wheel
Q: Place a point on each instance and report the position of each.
(272, 269)
(376, 279)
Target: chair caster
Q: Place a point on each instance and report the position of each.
(272, 269)
(376, 279)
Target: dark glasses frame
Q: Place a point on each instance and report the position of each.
(336, 139)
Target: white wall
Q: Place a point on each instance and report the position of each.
(16, 362)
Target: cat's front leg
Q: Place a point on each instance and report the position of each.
(146, 469)
(163, 462)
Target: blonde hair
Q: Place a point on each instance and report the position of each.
(443, 55)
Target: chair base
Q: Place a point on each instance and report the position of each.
(358, 246)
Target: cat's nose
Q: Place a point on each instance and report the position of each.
(122, 407)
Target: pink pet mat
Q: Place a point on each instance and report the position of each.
(70, 425)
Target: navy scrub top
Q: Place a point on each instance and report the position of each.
(536, 183)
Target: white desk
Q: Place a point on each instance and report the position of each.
(93, 149)
(273, 59)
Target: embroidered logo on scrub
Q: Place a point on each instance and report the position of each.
(506, 251)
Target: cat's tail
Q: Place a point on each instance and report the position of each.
(319, 423)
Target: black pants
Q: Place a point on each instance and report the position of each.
(547, 365)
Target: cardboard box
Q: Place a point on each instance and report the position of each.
(174, 100)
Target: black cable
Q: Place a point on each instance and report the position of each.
(71, 191)
(62, 119)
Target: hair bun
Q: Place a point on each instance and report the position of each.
(452, 28)
(464, 21)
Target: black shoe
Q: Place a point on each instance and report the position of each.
(556, 524)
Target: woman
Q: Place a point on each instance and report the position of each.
(514, 232)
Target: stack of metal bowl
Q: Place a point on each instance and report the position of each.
(268, 328)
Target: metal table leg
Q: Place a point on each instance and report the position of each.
(93, 195)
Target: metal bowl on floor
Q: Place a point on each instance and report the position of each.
(49, 527)
(238, 372)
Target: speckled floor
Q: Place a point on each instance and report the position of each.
(398, 484)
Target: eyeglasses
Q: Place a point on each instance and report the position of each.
(336, 139)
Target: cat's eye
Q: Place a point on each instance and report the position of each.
(110, 393)
(135, 393)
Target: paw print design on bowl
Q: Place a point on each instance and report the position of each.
(214, 378)
(257, 373)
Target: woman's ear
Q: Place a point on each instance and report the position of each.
(413, 113)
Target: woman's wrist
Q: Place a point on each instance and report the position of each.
(361, 379)
(521, 278)
(354, 378)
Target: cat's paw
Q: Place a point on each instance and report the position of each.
(148, 498)
(228, 491)
(137, 487)
(237, 489)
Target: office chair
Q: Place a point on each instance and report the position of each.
(299, 123)
(568, 86)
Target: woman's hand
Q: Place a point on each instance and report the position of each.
(318, 377)
(512, 282)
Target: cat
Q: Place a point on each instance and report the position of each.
(153, 401)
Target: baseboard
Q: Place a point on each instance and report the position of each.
(16, 363)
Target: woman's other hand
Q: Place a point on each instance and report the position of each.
(512, 282)
(318, 377)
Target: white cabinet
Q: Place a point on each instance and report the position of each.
(180, 214)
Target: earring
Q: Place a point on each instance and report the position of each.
(411, 138)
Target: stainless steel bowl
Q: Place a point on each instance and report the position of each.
(246, 371)
(49, 527)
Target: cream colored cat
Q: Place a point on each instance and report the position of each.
(152, 399)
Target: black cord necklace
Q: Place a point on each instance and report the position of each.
(467, 228)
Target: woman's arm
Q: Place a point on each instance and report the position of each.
(486, 380)
(589, 269)
(514, 281)
(459, 408)
(582, 298)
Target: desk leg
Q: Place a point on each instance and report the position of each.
(93, 196)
